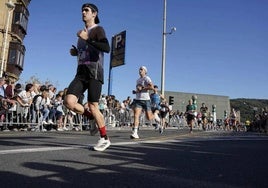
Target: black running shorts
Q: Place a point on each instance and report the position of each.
(78, 86)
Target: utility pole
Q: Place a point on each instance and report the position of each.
(164, 49)
(164, 36)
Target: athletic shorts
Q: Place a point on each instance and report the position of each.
(78, 86)
(144, 104)
(163, 114)
(190, 117)
(156, 108)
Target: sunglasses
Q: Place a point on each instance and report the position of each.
(85, 9)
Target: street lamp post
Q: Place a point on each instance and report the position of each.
(164, 47)
(10, 5)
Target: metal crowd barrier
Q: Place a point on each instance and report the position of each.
(23, 119)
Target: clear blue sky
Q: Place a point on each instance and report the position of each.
(219, 48)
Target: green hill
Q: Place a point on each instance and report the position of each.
(248, 107)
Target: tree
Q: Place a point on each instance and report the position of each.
(35, 80)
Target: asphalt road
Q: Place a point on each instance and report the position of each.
(173, 159)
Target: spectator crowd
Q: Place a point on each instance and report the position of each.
(36, 107)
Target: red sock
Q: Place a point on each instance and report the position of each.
(103, 132)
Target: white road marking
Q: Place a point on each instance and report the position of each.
(151, 141)
(30, 150)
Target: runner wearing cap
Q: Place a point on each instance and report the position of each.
(142, 101)
(91, 45)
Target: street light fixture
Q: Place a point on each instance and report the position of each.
(173, 29)
(10, 5)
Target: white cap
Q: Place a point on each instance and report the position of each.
(144, 68)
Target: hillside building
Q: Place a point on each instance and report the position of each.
(221, 103)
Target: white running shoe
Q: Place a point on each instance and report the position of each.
(134, 136)
(44, 122)
(102, 144)
(50, 122)
(65, 129)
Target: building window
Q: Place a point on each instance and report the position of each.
(21, 15)
(16, 54)
(12, 57)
